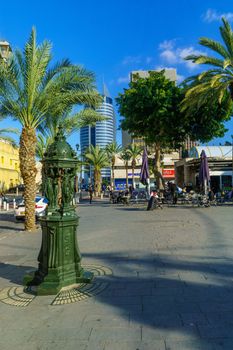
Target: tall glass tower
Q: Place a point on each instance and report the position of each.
(102, 133)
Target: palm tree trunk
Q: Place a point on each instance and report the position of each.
(28, 170)
(97, 180)
(157, 169)
(133, 176)
(127, 176)
(113, 177)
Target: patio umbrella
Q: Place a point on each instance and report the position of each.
(144, 175)
(204, 175)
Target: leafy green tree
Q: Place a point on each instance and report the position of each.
(134, 152)
(30, 90)
(113, 149)
(125, 156)
(98, 159)
(150, 107)
(207, 121)
(214, 85)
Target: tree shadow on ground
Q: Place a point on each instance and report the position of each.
(9, 218)
(14, 273)
(131, 208)
(184, 300)
(184, 303)
(3, 227)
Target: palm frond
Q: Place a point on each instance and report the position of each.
(97, 157)
(227, 36)
(214, 46)
(201, 59)
(10, 140)
(15, 131)
(42, 144)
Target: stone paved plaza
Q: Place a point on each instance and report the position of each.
(164, 281)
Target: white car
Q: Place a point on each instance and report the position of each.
(40, 206)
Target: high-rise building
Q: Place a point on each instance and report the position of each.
(102, 133)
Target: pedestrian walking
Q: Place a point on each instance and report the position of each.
(90, 190)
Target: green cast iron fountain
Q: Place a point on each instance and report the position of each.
(59, 257)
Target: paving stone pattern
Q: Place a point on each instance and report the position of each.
(171, 286)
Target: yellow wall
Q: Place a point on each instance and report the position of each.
(9, 165)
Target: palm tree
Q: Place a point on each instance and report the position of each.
(4, 135)
(98, 159)
(71, 123)
(112, 150)
(134, 152)
(29, 92)
(215, 83)
(125, 156)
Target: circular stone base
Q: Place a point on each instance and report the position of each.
(23, 296)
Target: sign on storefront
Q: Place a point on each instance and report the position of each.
(168, 173)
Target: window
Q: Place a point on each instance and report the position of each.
(93, 136)
(16, 166)
(2, 159)
(226, 182)
(11, 161)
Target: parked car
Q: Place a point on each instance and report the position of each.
(40, 206)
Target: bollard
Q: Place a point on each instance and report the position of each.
(14, 203)
(7, 206)
(4, 205)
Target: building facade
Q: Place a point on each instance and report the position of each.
(168, 170)
(101, 134)
(9, 166)
(5, 50)
(220, 161)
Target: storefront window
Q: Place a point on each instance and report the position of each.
(226, 182)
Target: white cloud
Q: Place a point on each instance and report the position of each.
(167, 44)
(186, 52)
(132, 60)
(169, 56)
(212, 15)
(176, 55)
(123, 80)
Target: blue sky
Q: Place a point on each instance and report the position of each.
(113, 38)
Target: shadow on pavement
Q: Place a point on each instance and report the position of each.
(14, 273)
(131, 208)
(185, 299)
(184, 302)
(2, 227)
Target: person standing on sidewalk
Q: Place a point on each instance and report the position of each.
(90, 190)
